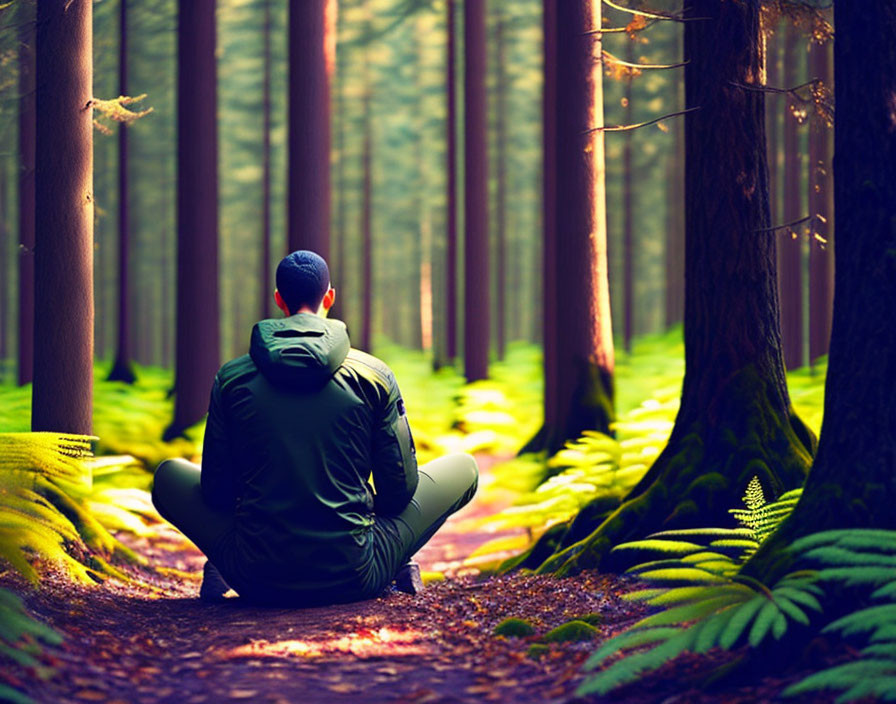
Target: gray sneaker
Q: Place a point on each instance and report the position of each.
(408, 579)
(213, 586)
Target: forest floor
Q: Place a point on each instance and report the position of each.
(153, 641)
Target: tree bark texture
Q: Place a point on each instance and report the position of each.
(451, 183)
(197, 346)
(27, 127)
(577, 327)
(476, 242)
(267, 286)
(628, 213)
(122, 369)
(4, 271)
(501, 187)
(366, 341)
(852, 483)
(790, 246)
(821, 205)
(311, 56)
(62, 394)
(735, 420)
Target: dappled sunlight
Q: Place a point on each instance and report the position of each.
(364, 643)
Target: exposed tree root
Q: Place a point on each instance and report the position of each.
(702, 473)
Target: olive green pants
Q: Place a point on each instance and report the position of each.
(446, 485)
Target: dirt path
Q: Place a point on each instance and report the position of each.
(124, 644)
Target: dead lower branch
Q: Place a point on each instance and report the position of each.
(625, 128)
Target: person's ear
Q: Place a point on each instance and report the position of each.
(329, 299)
(281, 304)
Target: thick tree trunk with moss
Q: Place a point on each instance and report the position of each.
(735, 420)
(62, 394)
(579, 354)
(853, 480)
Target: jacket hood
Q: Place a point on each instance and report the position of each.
(300, 352)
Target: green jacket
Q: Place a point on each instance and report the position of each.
(295, 430)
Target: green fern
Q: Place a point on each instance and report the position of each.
(21, 639)
(858, 558)
(760, 516)
(706, 604)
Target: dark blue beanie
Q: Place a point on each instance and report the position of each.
(302, 279)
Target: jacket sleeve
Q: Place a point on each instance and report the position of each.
(217, 479)
(394, 455)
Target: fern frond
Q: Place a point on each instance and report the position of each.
(870, 677)
(710, 630)
(739, 621)
(670, 546)
(691, 611)
(680, 595)
(683, 574)
(864, 621)
(629, 668)
(841, 556)
(860, 575)
(628, 640)
(863, 538)
(705, 532)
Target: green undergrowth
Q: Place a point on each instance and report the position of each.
(705, 606)
(705, 602)
(496, 415)
(127, 418)
(60, 509)
(599, 470)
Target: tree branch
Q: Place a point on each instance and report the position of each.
(790, 224)
(625, 128)
(652, 15)
(607, 56)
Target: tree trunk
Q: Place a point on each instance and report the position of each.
(4, 271)
(267, 287)
(311, 55)
(27, 126)
(122, 370)
(476, 264)
(674, 311)
(501, 191)
(628, 213)
(338, 267)
(62, 394)
(790, 246)
(821, 206)
(735, 420)
(772, 126)
(579, 355)
(852, 483)
(197, 347)
(367, 225)
(451, 181)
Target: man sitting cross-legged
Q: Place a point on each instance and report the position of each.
(282, 504)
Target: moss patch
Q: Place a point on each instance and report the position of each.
(571, 632)
(537, 651)
(514, 628)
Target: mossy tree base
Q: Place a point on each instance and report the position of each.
(591, 407)
(703, 472)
